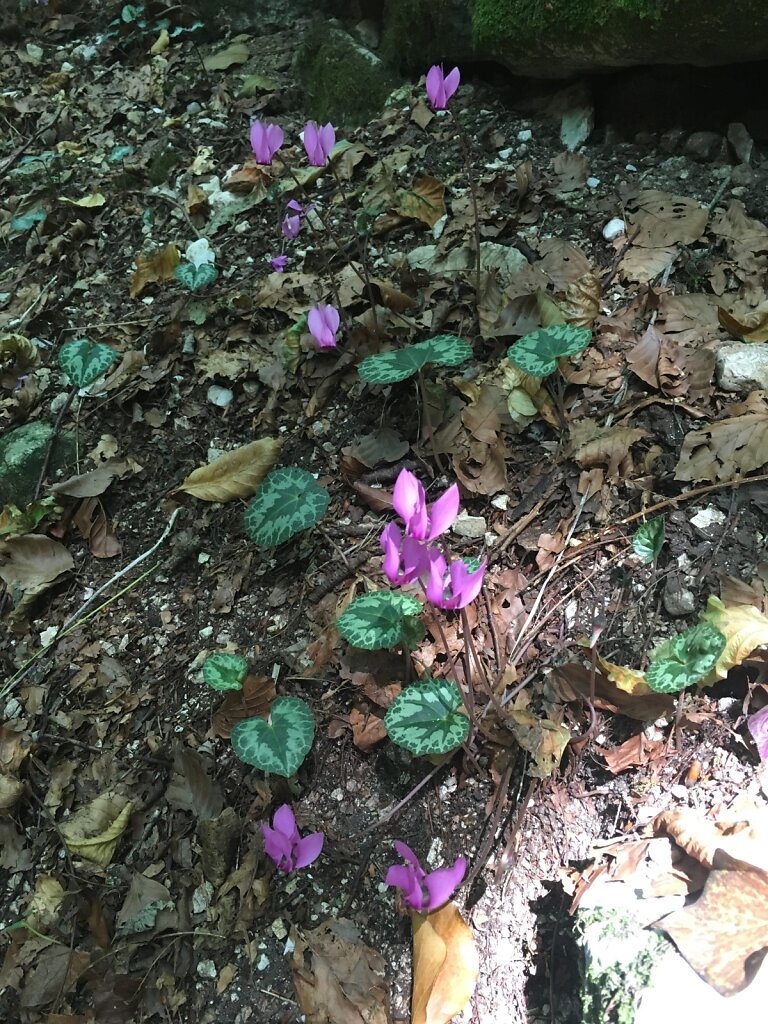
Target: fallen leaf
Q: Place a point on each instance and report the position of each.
(94, 831)
(338, 979)
(235, 53)
(423, 201)
(744, 628)
(731, 447)
(160, 266)
(91, 520)
(87, 202)
(255, 698)
(367, 729)
(445, 965)
(148, 908)
(11, 791)
(31, 564)
(54, 975)
(234, 475)
(190, 787)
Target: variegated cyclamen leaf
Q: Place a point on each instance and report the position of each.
(425, 719)
(85, 361)
(290, 500)
(194, 278)
(649, 539)
(380, 620)
(280, 744)
(391, 367)
(223, 671)
(685, 659)
(537, 353)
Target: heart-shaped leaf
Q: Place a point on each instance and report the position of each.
(649, 539)
(391, 367)
(223, 671)
(685, 659)
(290, 500)
(425, 718)
(538, 352)
(380, 620)
(280, 744)
(84, 361)
(194, 278)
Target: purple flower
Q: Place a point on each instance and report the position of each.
(424, 891)
(323, 321)
(441, 87)
(410, 503)
(405, 558)
(758, 726)
(318, 142)
(278, 263)
(291, 226)
(266, 139)
(284, 844)
(454, 588)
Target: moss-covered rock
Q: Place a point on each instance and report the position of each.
(344, 82)
(21, 458)
(567, 36)
(418, 33)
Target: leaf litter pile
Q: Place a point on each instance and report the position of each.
(617, 489)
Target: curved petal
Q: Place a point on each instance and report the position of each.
(451, 83)
(406, 853)
(315, 324)
(405, 878)
(285, 822)
(441, 884)
(465, 585)
(435, 588)
(311, 141)
(327, 139)
(444, 511)
(332, 318)
(308, 849)
(274, 135)
(257, 140)
(278, 848)
(415, 556)
(408, 493)
(390, 543)
(434, 84)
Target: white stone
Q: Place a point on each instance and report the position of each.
(613, 229)
(469, 526)
(742, 367)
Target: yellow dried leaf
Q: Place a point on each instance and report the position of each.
(94, 831)
(445, 965)
(744, 628)
(87, 202)
(235, 53)
(161, 44)
(237, 474)
(424, 201)
(627, 679)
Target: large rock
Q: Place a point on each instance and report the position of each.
(21, 458)
(561, 38)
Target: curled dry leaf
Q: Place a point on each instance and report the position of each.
(723, 450)
(235, 475)
(255, 698)
(31, 564)
(445, 965)
(94, 831)
(157, 267)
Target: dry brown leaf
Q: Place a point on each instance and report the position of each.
(723, 450)
(742, 833)
(367, 729)
(160, 266)
(337, 977)
(660, 219)
(445, 965)
(573, 682)
(596, 445)
(423, 201)
(255, 698)
(637, 750)
(234, 475)
(723, 934)
(91, 520)
(11, 791)
(31, 564)
(94, 831)
(190, 787)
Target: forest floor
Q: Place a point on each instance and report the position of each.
(159, 904)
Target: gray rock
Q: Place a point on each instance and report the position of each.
(741, 141)
(742, 367)
(576, 126)
(672, 141)
(704, 146)
(677, 599)
(368, 33)
(21, 458)
(743, 175)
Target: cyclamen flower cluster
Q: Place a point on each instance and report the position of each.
(410, 556)
(423, 891)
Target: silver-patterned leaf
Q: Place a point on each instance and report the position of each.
(223, 671)
(425, 718)
(85, 361)
(280, 744)
(290, 500)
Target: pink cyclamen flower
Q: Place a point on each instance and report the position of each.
(278, 263)
(455, 587)
(319, 142)
(284, 844)
(410, 503)
(291, 227)
(405, 558)
(424, 891)
(758, 727)
(323, 322)
(441, 87)
(266, 139)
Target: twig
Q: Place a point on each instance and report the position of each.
(17, 154)
(52, 440)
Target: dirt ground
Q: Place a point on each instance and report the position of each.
(117, 710)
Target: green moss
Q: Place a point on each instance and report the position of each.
(344, 83)
(418, 33)
(526, 20)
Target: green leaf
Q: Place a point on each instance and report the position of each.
(649, 539)
(425, 718)
(538, 352)
(391, 367)
(194, 278)
(223, 671)
(28, 220)
(685, 659)
(280, 744)
(84, 361)
(379, 620)
(289, 501)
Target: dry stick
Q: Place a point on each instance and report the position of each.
(52, 440)
(469, 646)
(18, 153)
(79, 616)
(360, 247)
